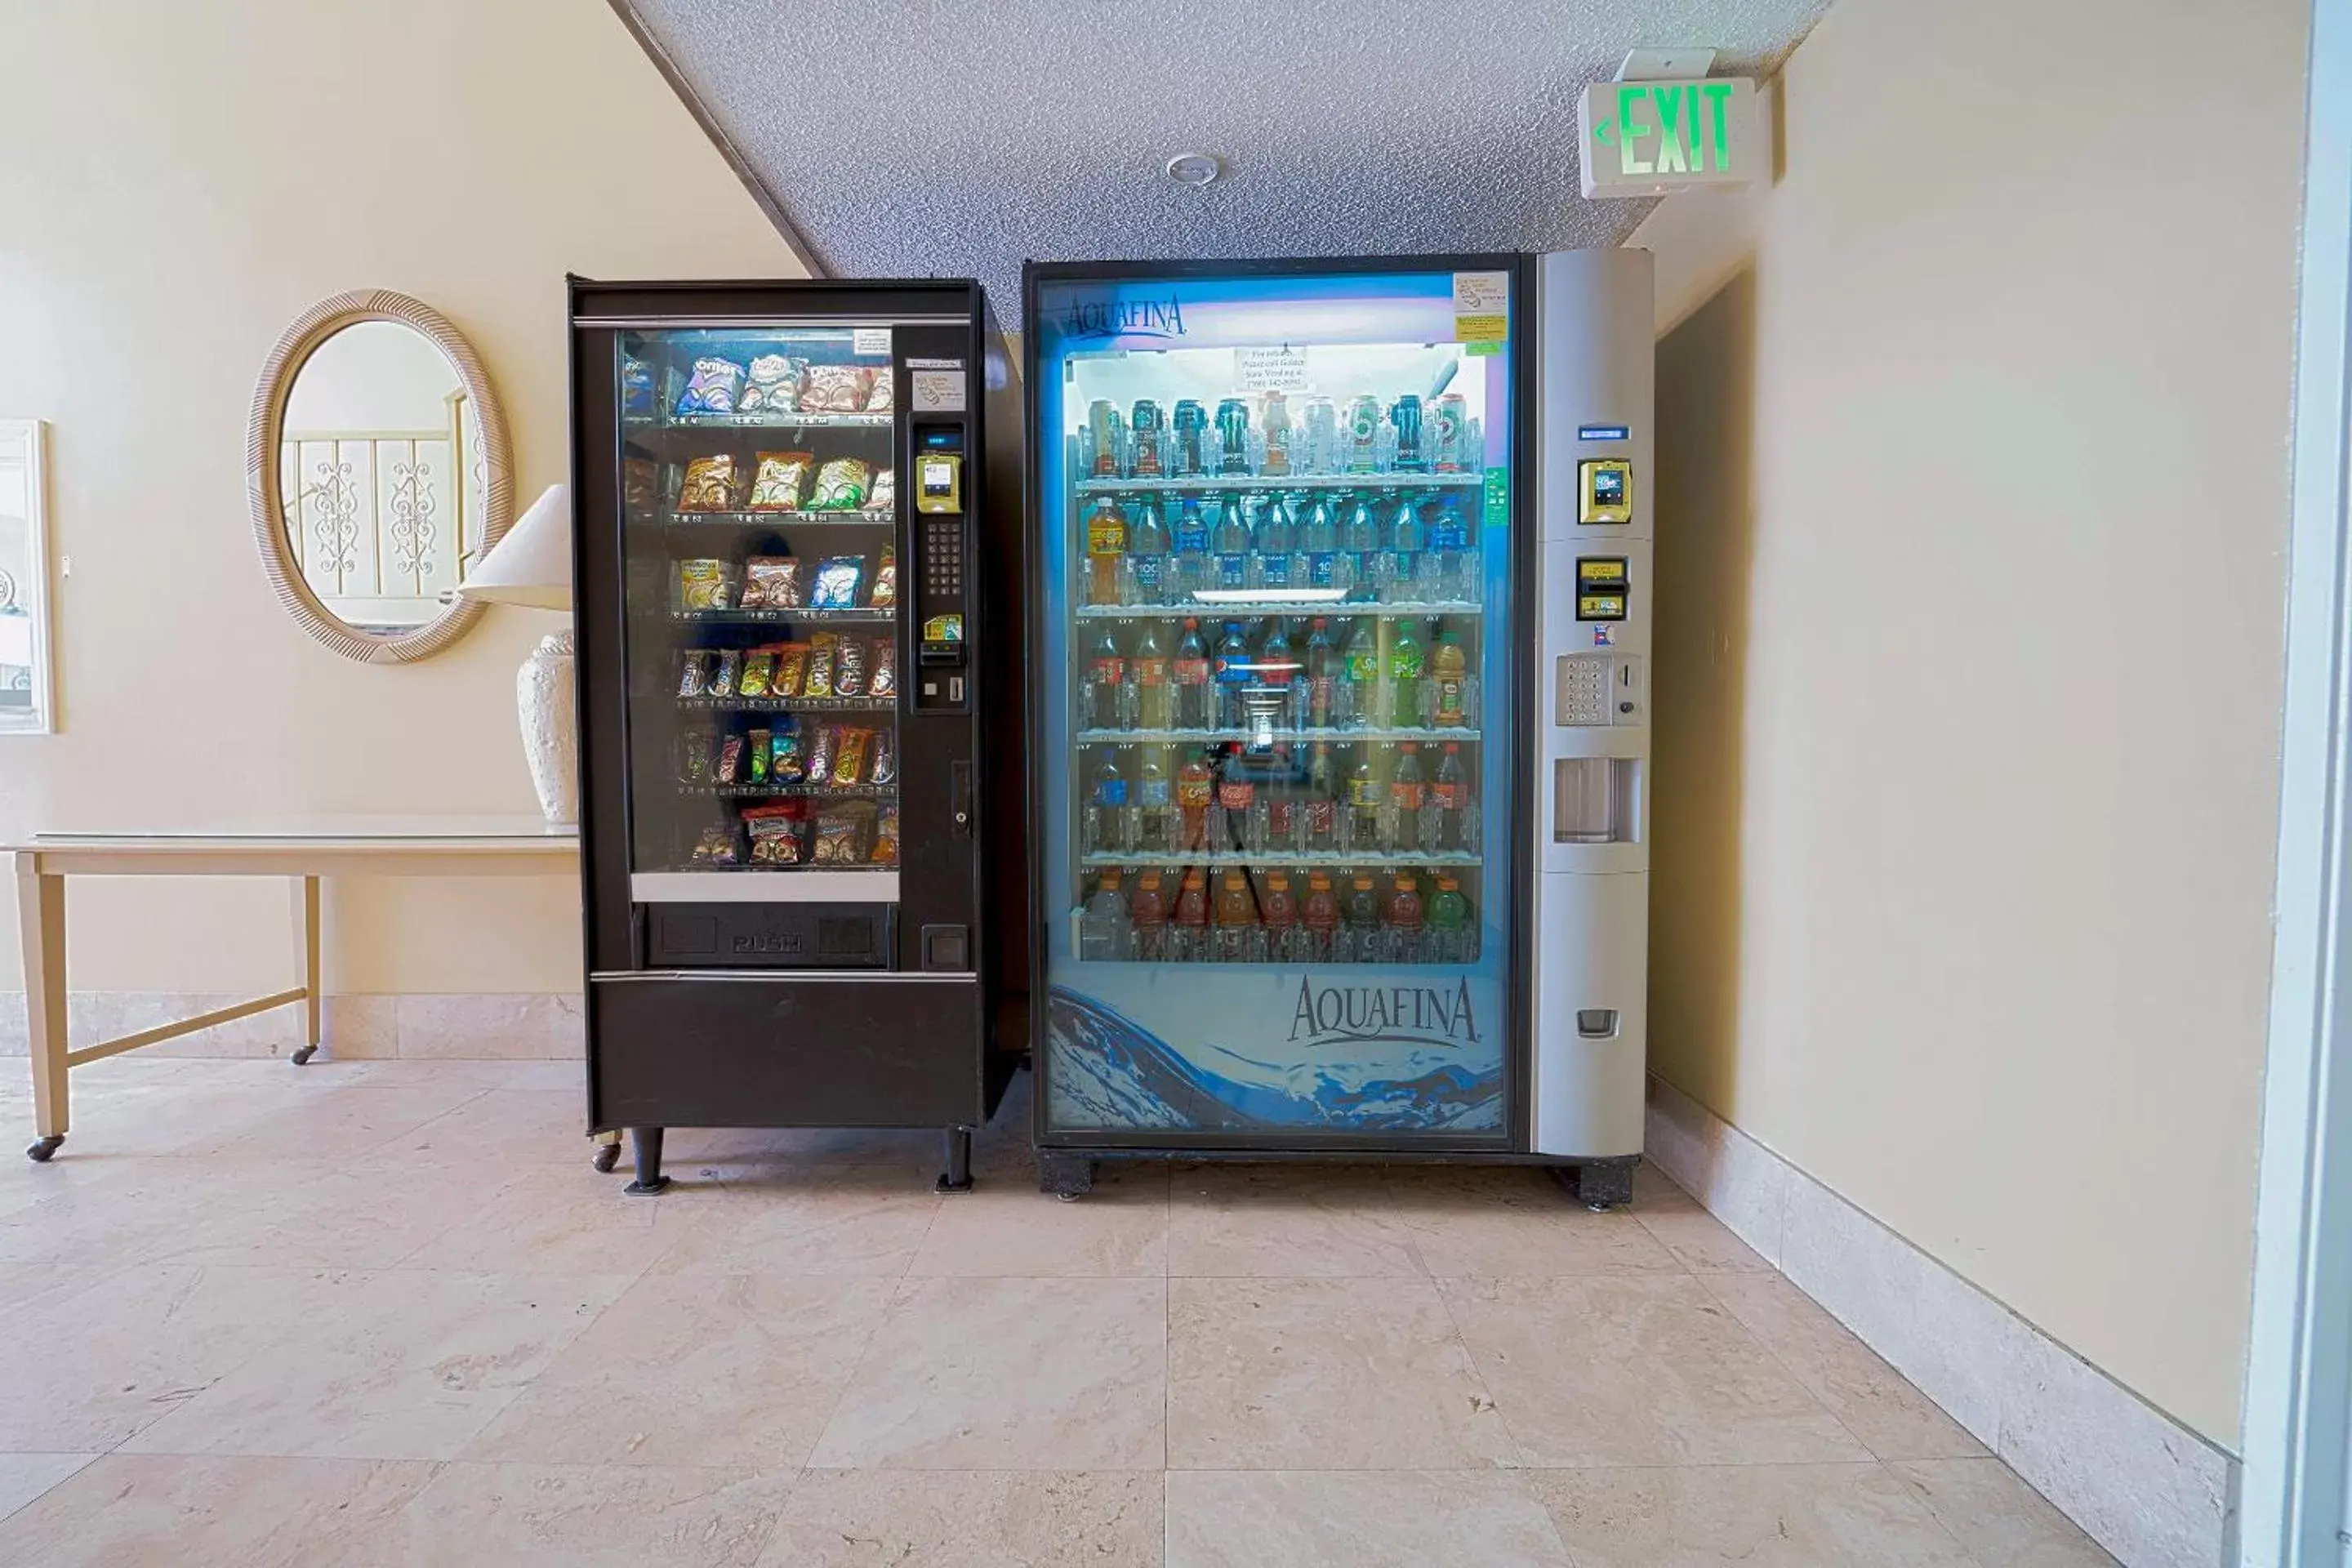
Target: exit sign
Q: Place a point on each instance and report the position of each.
(1652, 138)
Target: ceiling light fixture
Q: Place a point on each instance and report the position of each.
(1195, 168)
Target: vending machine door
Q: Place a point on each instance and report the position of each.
(1275, 669)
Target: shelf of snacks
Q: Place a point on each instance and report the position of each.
(1272, 736)
(789, 704)
(759, 421)
(776, 617)
(1214, 483)
(1372, 860)
(829, 667)
(723, 482)
(763, 389)
(868, 518)
(1240, 609)
(786, 834)
(790, 757)
(791, 792)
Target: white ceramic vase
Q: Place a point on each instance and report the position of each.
(544, 694)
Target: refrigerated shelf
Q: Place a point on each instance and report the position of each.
(1230, 610)
(792, 792)
(677, 519)
(757, 421)
(770, 617)
(1280, 859)
(1151, 737)
(1213, 483)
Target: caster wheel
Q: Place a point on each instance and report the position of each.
(607, 1156)
(305, 1054)
(42, 1148)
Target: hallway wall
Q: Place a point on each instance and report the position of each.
(1972, 510)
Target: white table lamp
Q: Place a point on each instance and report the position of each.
(531, 564)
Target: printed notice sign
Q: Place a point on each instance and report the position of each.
(869, 340)
(936, 390)
(1482, 306)
(1270, 370)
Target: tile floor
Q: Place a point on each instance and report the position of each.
(384, 1313)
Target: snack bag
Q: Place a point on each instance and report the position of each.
(886, 579)
(719, 846)
(841, 485)
(636, 386)
(712, 389)
(792, 669)
(836, 389)
(844, 833)
(879, 400)
(780, 481)
(849, 757)
(884, 682)
(774, 385)
(640, 484)
(849, 668)
(706, 586)
(884, 494)
(759, 674)
(712, 483)
(694, 757)
(786, 766)
(771, 583)
(693, 671)
(778, 835)
(820, 754)
(836, 583)
(886, 838)
(722, 680)
(731, 759)
(886, 757)
(755, 757)
(818, 682)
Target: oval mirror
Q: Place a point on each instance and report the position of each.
(376, 465)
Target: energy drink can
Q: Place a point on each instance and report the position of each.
(1144, 427)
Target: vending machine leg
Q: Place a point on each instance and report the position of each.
(650, 1180)
(956, 1177)
(1067, 1176)
(1600, 1184)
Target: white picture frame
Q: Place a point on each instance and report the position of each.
(28, 637)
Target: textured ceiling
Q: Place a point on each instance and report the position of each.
(955, 138)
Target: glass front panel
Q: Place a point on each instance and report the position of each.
(1276, 529)
(762, 591)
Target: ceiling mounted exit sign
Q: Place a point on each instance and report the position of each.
(1652, 138)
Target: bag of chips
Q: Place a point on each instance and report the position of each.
(884, 494)
(841, 485)
(640, 484)
(755, 757)
(712, 483)
(849, 757)
(884, 681)
(719, 846)
(836, 583)
(886, 757)
(636, 386)
(731, 759)
(849, 668)
(774, 385)
(714, 388)
(818, 682)
(879, 400)
(758, 673)
(722, 679)
(822, 742)
(835, 388)
(694, 672)
(694, 756)
(844, 833)
(706, 586)
(780, 481)
(886, 838)
(785, 763)
(792, 669)
(778, 834)
(886, 579)
(771, 583)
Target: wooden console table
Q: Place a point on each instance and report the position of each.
(302, 850)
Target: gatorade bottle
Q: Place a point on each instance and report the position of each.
(1361, 828)
(1148, 913)
(1153, 699)
(1321, 917)
(1191, 677)
(1236, 917)
(1360, 935)
(1406, 795)
(1189, 941)
(1449, 919)
(1279, 911)
(1449, 798)
(1194, 786)
(1103, 931)
(1450, 667)
(1106, 551)
(1402, 920)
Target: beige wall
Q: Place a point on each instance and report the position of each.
(1972, 432)
(179, 183)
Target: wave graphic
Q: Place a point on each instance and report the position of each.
(1110, 1072)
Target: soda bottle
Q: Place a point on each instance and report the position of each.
(1449, 541)
(1189, 537)
(1237, 792)
(1322, 673)
(1361, 827)
(1321, 917)
(1153, 699)
(1107, 807)
(1148, 913)
(1449, 919)
(1192, 673)
(1359, 936)
(1189, 941)
(1406, 794)
(1106, 551)
(1105, 681)
(1360, 676)
(1234, 668)
(1402, 920)
(1403, 705)
(1276, 423)
(1405, 545)
(1104, 933)
(1276, 664)
(1319, 827)
(1147, 551)
(1279, 910)
(1449, 798)
(1278, 539)
(1450, 669)
(1319, 542)
(1230, 542)
(1155, 800)
(1236, 917)
(1195, 785)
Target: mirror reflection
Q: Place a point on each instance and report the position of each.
(383, 475)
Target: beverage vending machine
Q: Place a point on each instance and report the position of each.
(1340, 709)
(781, 692)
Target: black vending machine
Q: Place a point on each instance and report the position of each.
(782, 707)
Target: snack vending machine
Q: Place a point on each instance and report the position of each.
(779, 706)
(1340, 709)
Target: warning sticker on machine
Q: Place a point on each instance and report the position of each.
(1482, 306)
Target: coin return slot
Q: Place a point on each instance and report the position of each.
(1594, 800)
(1596, 1023)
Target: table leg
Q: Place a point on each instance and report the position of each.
(41, 928)
(306, 943)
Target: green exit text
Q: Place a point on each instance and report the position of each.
(1686, 119)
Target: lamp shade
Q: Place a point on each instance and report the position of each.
(531, 563)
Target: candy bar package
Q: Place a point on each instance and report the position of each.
(818, 682)
(779, 834)
(786, 766)
(849, 668)
(884, 680)
(774, 385)
(844, 833)
(849, 757)
(640, 484)
(713, 388)
(822, 742)
(695, 748)
(886, 838)
(877, 401)
(886, 579)
(759, 674)
(835, 388)
(836, 583)
(886, 757)
(841, 485)
(730, 760)
(706, 584)
(719, 846)
(636, 386)
(771, 583)
(694, 672)
(755, 758)
(886, 491)
(780, 481)
(712, 483)
(723, 678)
(792, 669)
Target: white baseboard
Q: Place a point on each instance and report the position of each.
(2143, 1486)
(547, 1026)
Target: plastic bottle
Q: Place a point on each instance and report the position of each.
(1236, 917)
(1230, 542)
(1278, 909)
(1405, 545)
(1105, 821)
(1319, 542)
(1450, 669)
(1154, 700)
(1449, 917)
(1275, 663)
(1195, 783)
(1407, 795)
(1188, 939)
(1319, 812)
(1449, 541)
(1234, 669)
(1278, 539)
(1361, 828)
(1237, 792)
(1363, 674)
(1154, 801)
(1402, 704)
(1449, 797)
(1322, 666)
(1319, 918)
(1360, 540)
(1105, 935)
(1148, 914)
(1359, 937)
(1106, 551)
(1190, 535)
(1192, 678)
(1147, 551)
(1401, 922)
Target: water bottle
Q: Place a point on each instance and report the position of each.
(1318, 543)
(1360, 541)
(1104, 934)
(1448, 545)
(1278, 542)
(1147, 554)
(1189, 562)
(1231, 544)
(1154, 807)
(1188, 936)
(1405, 546)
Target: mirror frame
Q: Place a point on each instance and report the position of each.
(313, 328)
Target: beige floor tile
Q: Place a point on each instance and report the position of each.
(858, 1219)
(684, 1370)
(1296, 1519)
(131, 1511)
(1874, 1401)
(1120, 1231)
(1637, 1369)
(2005, 1523)
(1517, 1223)
(414, 1373)
(1009, 1374)
(550, 1221)
(1338, 1373)
(1756, 1516)
(1655, 1192)
(965, 1518)
(323, 1121)
(24, 1477)
(1700, 1242)
(1284, 1221)
(591, 1516)
(499, 1129)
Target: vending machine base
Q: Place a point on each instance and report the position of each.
(1600, 1184)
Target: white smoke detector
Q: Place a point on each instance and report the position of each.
(1195, 168)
